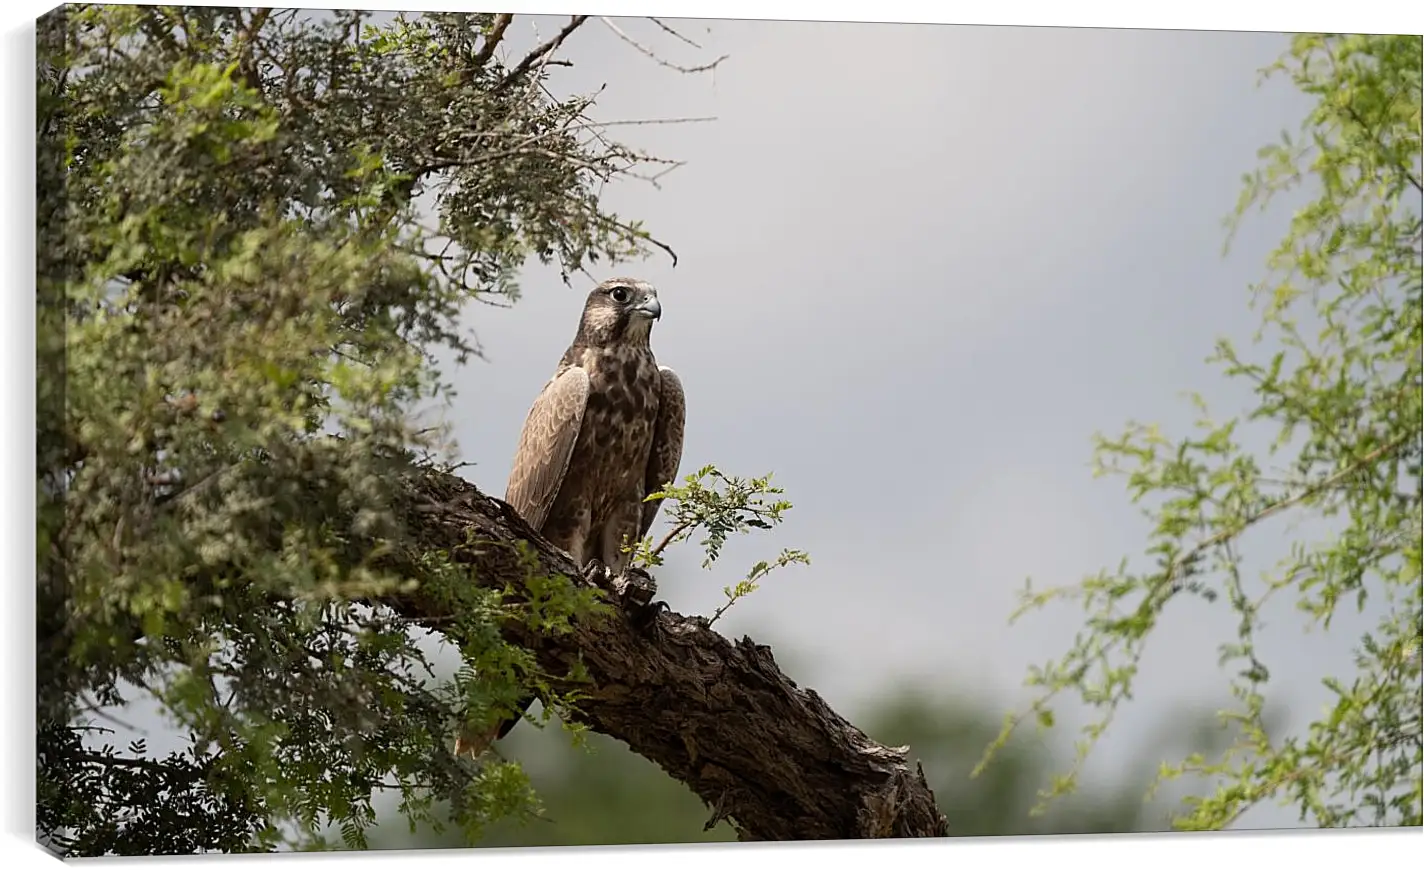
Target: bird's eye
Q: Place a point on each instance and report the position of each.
(619, 294)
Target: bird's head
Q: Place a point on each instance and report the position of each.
(619, 311)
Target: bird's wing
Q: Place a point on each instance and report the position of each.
(667, 442)
(546, 445)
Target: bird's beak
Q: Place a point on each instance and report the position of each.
(650, 308)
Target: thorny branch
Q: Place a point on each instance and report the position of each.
(618, 31)
(539, 53)
(673, 32)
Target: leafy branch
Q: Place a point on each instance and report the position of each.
(1344, 395)
(720, 506)
(758, 571)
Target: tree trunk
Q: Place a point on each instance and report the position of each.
(766, 755)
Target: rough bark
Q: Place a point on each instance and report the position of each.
(768, 756)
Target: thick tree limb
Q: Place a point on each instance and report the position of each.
(721, 717)
(492, 39)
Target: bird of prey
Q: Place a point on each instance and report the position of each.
(605, 432)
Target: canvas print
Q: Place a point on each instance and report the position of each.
(492, 429)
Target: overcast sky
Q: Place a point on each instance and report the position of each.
(920, 265)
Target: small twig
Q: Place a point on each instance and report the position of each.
(398, 786)
(617, 225)
(91, 728)
(120, 761)
(1284, 504)
(674, 32)
(652, 54)
(188, 492)
(542, 51)
(97, 711)
(717, 614)
(641, 122)
(676, 530)
(657, 176)
(423, 620)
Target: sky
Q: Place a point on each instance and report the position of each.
(919, 267)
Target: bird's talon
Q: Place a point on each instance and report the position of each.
(635, 587)
(647, 617)
(598, 574)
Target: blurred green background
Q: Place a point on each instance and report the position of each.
(604, 794)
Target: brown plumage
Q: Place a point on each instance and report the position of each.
(605, 432)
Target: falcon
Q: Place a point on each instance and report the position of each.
(604, 434)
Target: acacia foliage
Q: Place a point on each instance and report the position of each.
(231, 274)
(1335, 375)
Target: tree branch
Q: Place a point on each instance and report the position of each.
(1285, 503)
(721, 717)
(575, 22)
(1373, 133)
(492, 39)
(246, 57)
(674, 32)
(648, 52)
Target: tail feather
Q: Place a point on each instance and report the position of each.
(473, 743)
